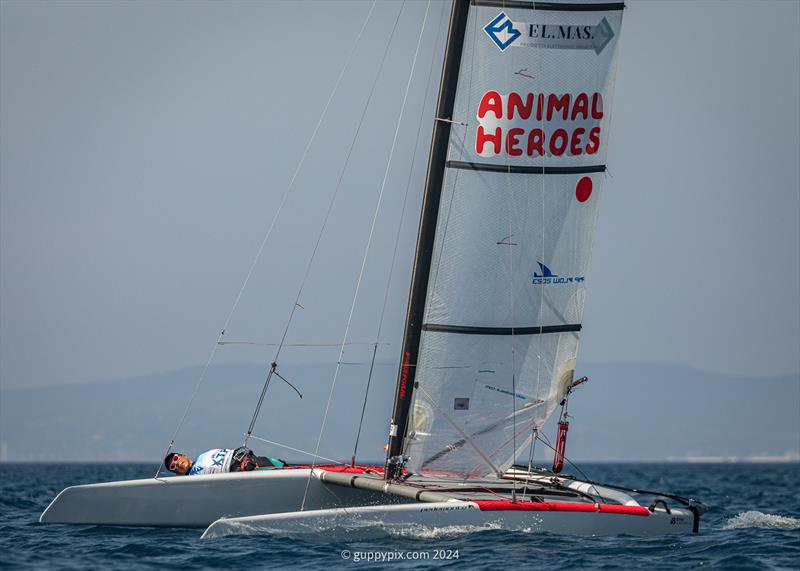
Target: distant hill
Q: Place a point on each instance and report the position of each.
(626, 412)
(643, 411)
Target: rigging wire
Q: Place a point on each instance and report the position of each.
(364, 404)
(338, 186)
(268, 233)
(509, 195)
(546, 441)
(542, 257)
(371, 231)
(532, 451)
(254, 437)
(397, 235)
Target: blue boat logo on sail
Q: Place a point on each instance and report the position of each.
(548, 277)
(501, 31)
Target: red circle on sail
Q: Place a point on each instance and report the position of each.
(583, 190)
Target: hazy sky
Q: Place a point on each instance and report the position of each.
(144, 148)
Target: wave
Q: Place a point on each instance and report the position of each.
(759, 519)
(419, 531)
(339, 530)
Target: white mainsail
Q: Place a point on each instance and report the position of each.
(524, 170)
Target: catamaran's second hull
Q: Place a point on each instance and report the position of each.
(459, 515)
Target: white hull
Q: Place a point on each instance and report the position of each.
(197, 501)
(455, 514)
(269, 501)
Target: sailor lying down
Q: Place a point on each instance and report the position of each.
(219, 460)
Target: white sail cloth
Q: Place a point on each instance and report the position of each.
(514, 233)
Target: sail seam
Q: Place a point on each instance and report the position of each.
(476, 330)
(490, 167)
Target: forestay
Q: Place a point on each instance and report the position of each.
(525, 166)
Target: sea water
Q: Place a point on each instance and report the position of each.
(753, 523)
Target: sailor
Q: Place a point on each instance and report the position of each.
(219, 460)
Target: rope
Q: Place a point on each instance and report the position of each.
(238, 298)
(371, 233)
(322, 230)
(467, 439)
(571, 463)
(364, 405)
(397, 238)
(534, 431)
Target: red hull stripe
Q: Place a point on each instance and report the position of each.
(502, 505)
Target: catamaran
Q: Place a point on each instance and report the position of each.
(515, 171)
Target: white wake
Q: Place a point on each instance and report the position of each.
(340, 530)
(759, 519)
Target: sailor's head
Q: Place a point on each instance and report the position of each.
(177, 463)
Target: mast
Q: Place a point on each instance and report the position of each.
(425, 237)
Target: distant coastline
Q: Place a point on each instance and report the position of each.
(680, 415)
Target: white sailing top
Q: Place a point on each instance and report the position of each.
(212, 462)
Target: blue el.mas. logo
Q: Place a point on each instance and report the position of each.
(548, 277)
(501, 31)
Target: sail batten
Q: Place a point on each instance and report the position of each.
(472, 330)
(517, 169)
